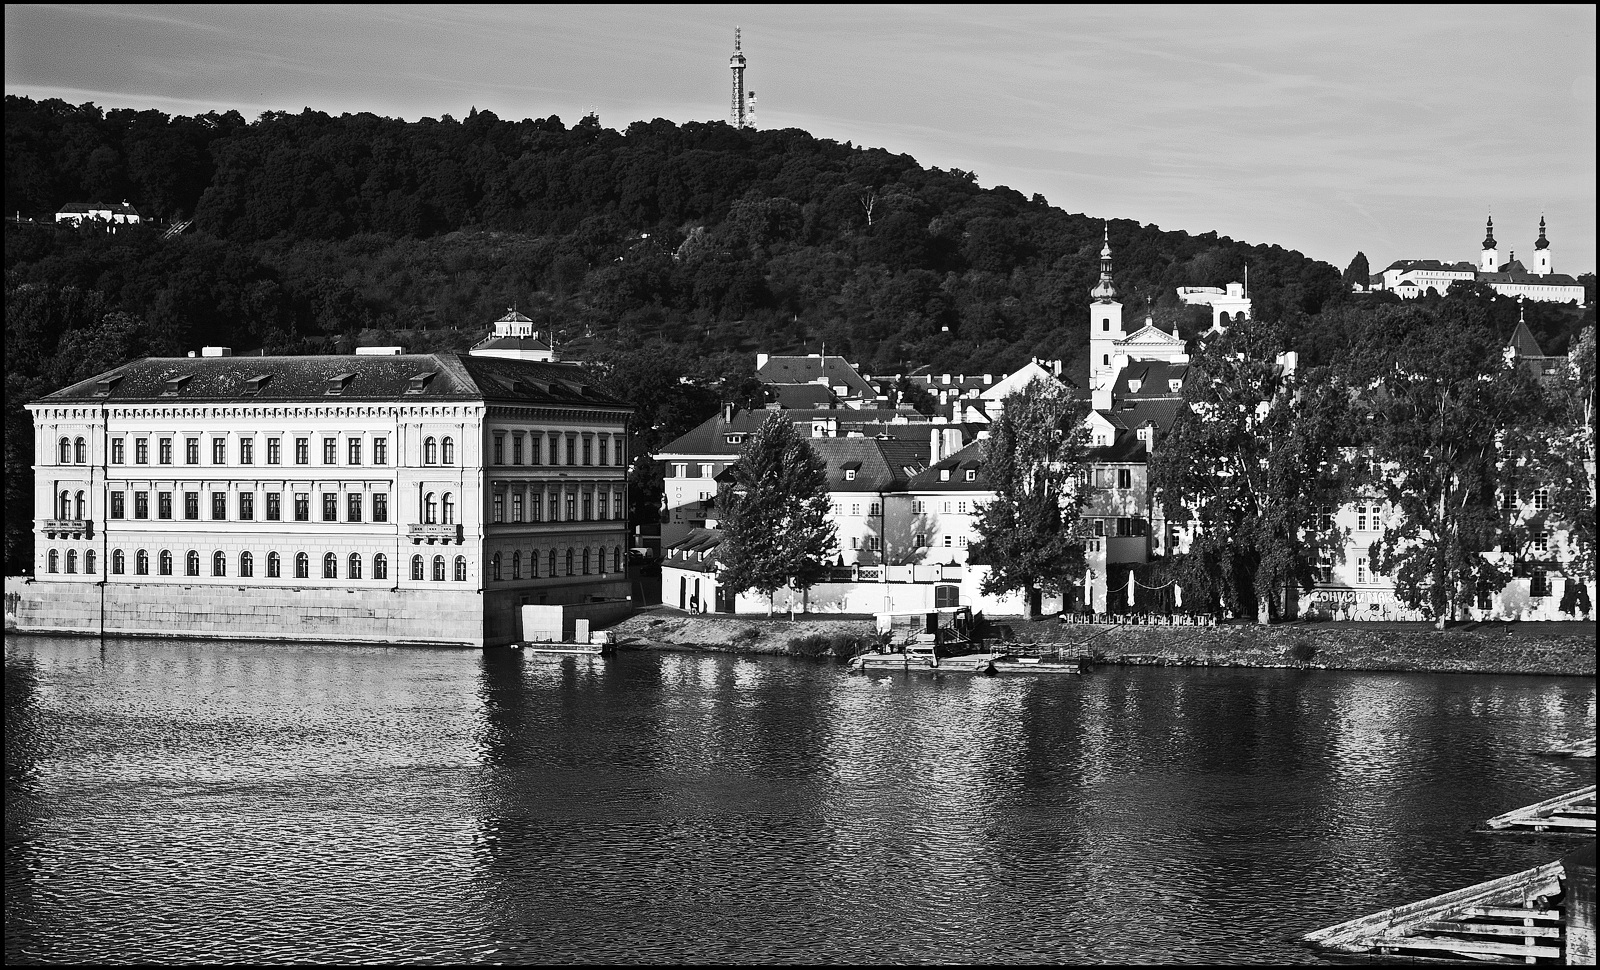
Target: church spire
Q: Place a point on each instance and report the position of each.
(1488, 234)
(1105, 291)
(1543, 243)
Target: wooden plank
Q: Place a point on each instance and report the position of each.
(1467, 946)
(1556, 821)
(1490, 929)
(1511, 912)
(1541, 809)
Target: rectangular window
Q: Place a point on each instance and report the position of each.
(962, 542)
(352, 508)
(1541, 542)
(274, 451)
(302, 507)
(534, 442)
(141, 505)
(330, 507)
(961, 508)
(920, 540)
(500, 449)
(516, 448)
(380, 451)
(247, 451)
(1541, 499)
(118, 452)
(164, 505)
(247, 506)
(572, 448)
(555, 507)
(499, 507)
(1363, 574)
(916, 509)
(330, 451)
(274, 506)
(618, 459)
(1099, 528)
(604, 447)
(166, 451)
(588, 506)
(588, 450)
(302, 451)
(191, 505)
(355, 451)
(219, 451)
(380, 506)
(219, 505)
(516, 506)
(572, 510)
(117, 504)
(605, 506)
(191, 451)
(947, 541)
(141, 451)
(1124, 478)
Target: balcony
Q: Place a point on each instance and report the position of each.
(68, 528)
(431, 532)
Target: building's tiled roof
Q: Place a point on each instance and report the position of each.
(710, 436)
(685, 553)
(115, 208)
(800, 395)
(1410, 265)
(806, 370)
(1127, 449)
(1161, 412)
(881, 465)
(1155, 377)
(513, 343)
(957, 464)
(1552, 279)
(1523, 342)
(398, 378)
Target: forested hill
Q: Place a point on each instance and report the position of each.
(309, 228)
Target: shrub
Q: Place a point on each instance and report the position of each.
(749, 634)
(844, 645)
(1303, 651)
(810, 645)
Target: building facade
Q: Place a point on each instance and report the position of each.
(1410, 278)
(363, 498)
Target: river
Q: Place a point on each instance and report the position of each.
(184, 801)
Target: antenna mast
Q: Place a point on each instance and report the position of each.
(743, 112)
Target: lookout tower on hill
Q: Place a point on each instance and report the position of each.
(743, 114)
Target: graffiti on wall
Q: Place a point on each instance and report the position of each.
(1360, 604)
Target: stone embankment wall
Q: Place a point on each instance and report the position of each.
(1567, 648)
(410, 616)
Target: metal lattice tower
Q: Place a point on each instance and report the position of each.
(743, 113)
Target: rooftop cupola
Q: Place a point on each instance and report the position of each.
(1488, 234)
(1105, 291)
(1543, 243)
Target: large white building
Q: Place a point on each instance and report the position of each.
(1411, 278)
(373, 497)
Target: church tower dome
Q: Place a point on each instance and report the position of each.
(1105, 332)
(1541, 253)
(1105, 291)
(1489, 260)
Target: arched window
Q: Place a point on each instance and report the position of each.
(66, 452)
(552, 569)
(602, 560)
(164, 563)
(533, 564)
(274, 565)
(516, 565)
(354, 571)
(416, 567)
(219, 563)
(302, 566)
(586, 560)
(618, 563)
(569, 561)
(330, 566)
(380, 566)
(430, 509)
(430, 452)
(494, 567)
(247, 565)
(78, 506)
(54, 558)
(461, 569)
(79, 454)
(449, 508)
(65, 505)
(72, 560)
(191, 563)
(88, 561)
(438, 568)
(119, 562)
(141, 563)
(449, 450)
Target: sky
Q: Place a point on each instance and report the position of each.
(1391, 130)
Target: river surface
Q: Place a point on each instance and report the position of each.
(182, 801)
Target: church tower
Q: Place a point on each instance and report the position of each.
(1489, 261)
(1541, 253)
(1105, 329)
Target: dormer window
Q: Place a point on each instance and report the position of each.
(1134, 385)
(1175, 385)
(849, 474)
(102, 387)
(733, 439)
(419, 382)
(173, 385)
(972, 474)
(253, 385)
(338, 383)
(944, 474)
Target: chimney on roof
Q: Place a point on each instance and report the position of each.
(216, 351)
(761, 360)
(727, 412)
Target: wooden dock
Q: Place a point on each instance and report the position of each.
(1577, 749)
(1505, 920)
(1571, 814)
